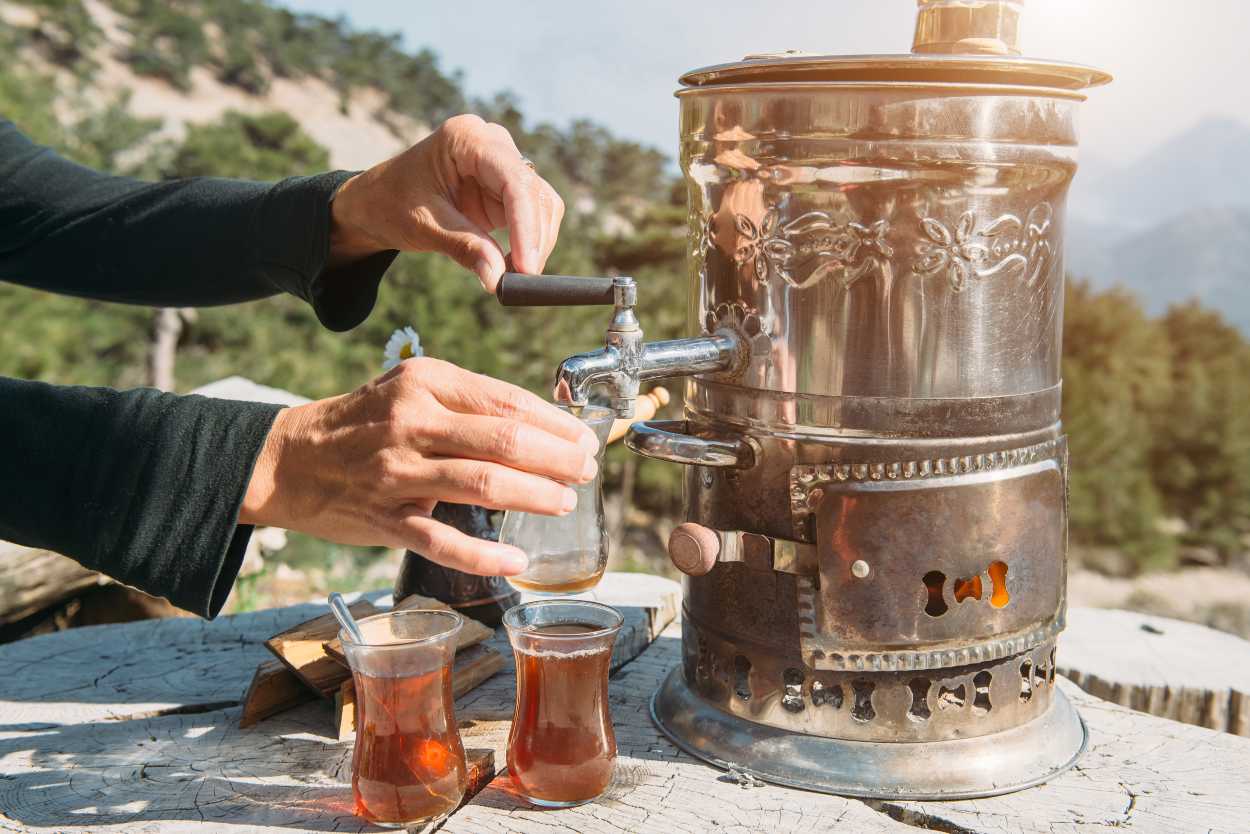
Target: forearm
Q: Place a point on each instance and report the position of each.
(196, 242)
(141, 485)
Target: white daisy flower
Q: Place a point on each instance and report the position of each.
(403, 344)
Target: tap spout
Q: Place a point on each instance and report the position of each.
(578, 374)
(624, 363)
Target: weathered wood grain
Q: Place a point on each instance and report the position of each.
(1164, 667)
(103, 673)
(1141, 773)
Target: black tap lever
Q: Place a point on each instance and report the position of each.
(517, 290)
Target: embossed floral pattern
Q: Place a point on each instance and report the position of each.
(804, 251)
(1007, 244)
(760, 245)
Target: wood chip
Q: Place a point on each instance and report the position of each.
(274, 688)
(302, 649)
(345, 710)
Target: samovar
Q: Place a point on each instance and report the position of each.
(876, 475)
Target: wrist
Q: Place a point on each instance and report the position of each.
(261, 500)
(349, 237)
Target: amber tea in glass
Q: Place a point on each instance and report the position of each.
(562, 750)
(408, 766)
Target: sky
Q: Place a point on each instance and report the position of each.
(618, 62)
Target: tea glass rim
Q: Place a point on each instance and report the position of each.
(591, 413)
(456, 622)
(510, 616)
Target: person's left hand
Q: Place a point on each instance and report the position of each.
(446, 194)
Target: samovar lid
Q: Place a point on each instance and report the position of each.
(956, 42)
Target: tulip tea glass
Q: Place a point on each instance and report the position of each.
(569, 553)
(408, 766)
(562, 749)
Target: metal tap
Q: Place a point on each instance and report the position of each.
(625, 360)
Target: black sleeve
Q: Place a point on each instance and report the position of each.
(141, 485)
(182, 243)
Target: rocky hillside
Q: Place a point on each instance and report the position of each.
(172, 62)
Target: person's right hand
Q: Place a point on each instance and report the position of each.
(368, 467)
(447, 193)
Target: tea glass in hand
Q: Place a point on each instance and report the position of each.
(562, 750)
(567, 554)
(408, 766)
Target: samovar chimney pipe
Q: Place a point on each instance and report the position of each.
(968, 27)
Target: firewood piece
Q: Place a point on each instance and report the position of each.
(473, 665)
(274, 688)
(471, 634)
(481, 771)
(302, 649)
(345, 710)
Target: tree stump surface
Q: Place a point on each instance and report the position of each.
(133, 728)
(1164, 667)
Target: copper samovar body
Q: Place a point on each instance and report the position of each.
(876, 481)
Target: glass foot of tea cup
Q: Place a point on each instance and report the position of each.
(419, 827)
(548, 803)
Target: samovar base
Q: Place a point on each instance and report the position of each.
(968, 768)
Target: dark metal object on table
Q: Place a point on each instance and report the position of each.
(484, 598)
(876, 474)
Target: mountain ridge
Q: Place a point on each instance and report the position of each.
(1174, 225)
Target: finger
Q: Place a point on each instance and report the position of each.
(495, 487)
(555, 216)
(472, 206)
(494, 211)
(498, 168)
(516, 445)
(468, 393)
(546, 234)
(451, 548)
(456, 236)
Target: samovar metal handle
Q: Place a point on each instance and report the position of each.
(670, 440)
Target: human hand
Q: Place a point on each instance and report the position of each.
(368, 467)
(446, 194)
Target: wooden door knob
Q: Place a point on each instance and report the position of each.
(693, 548)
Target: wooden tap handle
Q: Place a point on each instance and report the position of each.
(646, 407)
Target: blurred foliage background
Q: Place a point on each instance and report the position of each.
(1157, 408)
